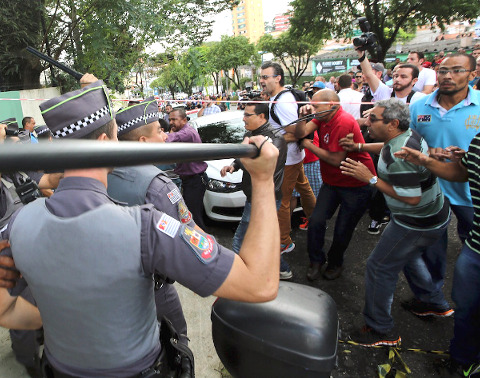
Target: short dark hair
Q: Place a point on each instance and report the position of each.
(164, 125)
(108, 129)
(415, 70)
(277, 70)
(181, 112)
(420, 55)
(471, 59)
(345, 81)
(260, 107)
(25, 120)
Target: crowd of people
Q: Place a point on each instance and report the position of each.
(400, 144)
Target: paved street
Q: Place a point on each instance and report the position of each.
(347, 291)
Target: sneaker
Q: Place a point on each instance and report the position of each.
(368, 337)
(304, 225)
(286, 248)
(374, 228)
(450, 368)
(385, 220)
(427, 309)
(285, 272)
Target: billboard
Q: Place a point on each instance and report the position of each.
(325, 66)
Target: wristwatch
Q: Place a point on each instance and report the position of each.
(373, 181)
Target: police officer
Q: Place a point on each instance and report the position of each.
(92, 280)
(148, 184)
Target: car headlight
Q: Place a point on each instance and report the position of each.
(223, 186)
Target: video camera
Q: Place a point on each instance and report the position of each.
(367, 40)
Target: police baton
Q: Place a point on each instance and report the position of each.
(63, 67)
(60, 155)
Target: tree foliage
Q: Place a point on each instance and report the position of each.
(386, 17)
(105, 37)
(231, 53)
(294, 52)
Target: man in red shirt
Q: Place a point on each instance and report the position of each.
(338, 190)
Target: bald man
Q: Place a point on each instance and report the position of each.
(338, 190)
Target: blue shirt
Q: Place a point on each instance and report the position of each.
(441, 128)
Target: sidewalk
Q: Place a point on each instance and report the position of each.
(197, 313)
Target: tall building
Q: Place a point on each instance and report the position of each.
(247, 19)
(281, 22)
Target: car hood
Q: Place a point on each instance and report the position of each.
(214, 167)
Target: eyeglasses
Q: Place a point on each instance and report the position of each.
(265, 77)
(373, 118)
(453, 71)
(358, 76)
(248, 114)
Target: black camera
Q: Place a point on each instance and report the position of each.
(367, 40)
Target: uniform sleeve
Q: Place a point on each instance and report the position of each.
(165, 196)
(383, 92)
(192, 258)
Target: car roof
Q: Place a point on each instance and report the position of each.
(218, 117)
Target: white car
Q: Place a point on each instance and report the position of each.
(224, 199)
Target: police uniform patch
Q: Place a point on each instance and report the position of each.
(183, 213)
(424, 118)
(168, 225)
(174, 196)
(203, 245)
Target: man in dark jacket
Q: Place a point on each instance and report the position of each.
(255, 117)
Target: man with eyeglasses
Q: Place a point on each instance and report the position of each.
(420, 215)
(256, 117)
(447, 117)
(284, 110)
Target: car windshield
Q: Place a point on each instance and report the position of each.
(225, 131)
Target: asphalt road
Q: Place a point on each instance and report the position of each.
(348, 293)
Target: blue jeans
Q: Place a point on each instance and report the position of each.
(353, 202)
(397, 246)
(243, 225)
(426, 274)
(465, 345)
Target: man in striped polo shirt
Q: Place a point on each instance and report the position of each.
(465, 345)
(420, 215)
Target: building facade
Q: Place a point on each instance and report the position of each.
(247, 20)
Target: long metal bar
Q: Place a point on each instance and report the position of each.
(77, 75)
(60, 155)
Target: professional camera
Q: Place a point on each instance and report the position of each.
(367, 40)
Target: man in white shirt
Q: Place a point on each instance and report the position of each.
(405, 77)
(426, 77)
(349, 98)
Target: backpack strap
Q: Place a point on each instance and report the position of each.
(272, 111)
(409, 97)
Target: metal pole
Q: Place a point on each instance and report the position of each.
(64, 154)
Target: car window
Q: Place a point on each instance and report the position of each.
(230, 131)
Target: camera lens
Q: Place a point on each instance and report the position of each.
(359, 41)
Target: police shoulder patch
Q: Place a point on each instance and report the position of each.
(174, 196)
(168, 225)
(203, 245)
(184, 214)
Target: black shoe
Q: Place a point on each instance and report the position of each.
(369, 337)
(333, 272)
(314, 271)
(427, 309)
(385, 220)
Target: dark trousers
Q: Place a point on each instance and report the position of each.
(194, 187)
(168, 305)
(352, 202)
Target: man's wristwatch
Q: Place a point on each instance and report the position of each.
(373, 181)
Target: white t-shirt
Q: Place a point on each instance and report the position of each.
(350, 101)
(383, 92)
(286, 110)
(426, 77)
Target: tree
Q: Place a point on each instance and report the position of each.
(386, 17)
(293, 52)
(231, 53)
(104, 37)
